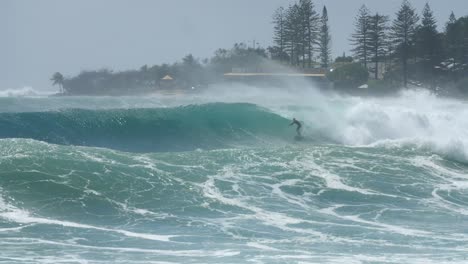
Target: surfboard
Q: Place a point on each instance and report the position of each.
(298, 138)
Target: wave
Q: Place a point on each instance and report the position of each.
(92, 188)
(84, 202)
(415, 119)
(181, 128)
(23, 92)
(216, 119)
(84, 188)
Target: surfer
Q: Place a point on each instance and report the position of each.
(298, 129)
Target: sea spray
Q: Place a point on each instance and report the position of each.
(218, 178)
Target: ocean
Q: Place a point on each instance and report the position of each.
(217, 177)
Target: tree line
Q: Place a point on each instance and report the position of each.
(301, 35)
(187, 74)
(411, 46)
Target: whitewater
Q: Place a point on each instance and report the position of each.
(217, 177)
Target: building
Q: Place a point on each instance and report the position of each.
(167, 83)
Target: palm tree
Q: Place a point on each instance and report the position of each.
(57, 79)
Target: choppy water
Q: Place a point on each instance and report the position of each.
(219, 179)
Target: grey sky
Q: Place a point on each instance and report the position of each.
(41, 37)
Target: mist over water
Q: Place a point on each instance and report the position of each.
(217, 177)
(23, 92)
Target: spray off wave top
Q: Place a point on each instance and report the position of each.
(216, 119)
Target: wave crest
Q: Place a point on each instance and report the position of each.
(150, 130)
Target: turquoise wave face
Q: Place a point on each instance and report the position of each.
(207, 126)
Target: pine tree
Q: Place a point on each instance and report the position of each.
(378, 44)
(428, 44)
(302, 29)
(325, 40)
(451, 38)
(360, 38)
(310, 21)
(464, 25)
(452, 18)
(293, 34)
(296, 33)
(279, 20)
(456, 39)
(403, 33)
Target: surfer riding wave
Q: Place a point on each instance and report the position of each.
(299, 126)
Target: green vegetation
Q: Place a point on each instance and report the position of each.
(296, 33)
(325, 40)
(57, 79)
(360, 39)
(462, 85)
(343, 59)
(377, 41)
(409, 52)
(403, 34)
(406, 51)
(349, 75)
(188, 73)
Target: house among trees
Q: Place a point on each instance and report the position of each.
(387, 55)
(167, 82)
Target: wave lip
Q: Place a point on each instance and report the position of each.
(208, 126)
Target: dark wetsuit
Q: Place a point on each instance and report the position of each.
(298, 129)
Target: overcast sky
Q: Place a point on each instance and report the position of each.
(39, 38)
